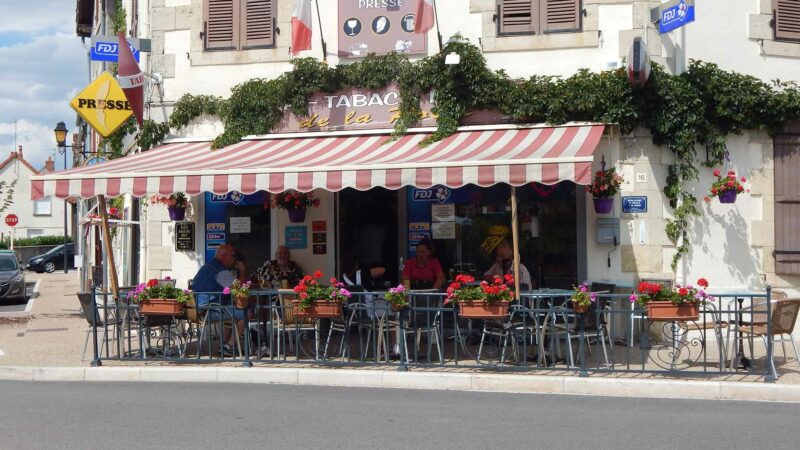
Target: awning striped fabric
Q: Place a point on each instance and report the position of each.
(514, 155)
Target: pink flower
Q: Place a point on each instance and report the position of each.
(716, 172)
(743, 179)
(226, 291)
(633, 298)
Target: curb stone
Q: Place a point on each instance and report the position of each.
(476, 382)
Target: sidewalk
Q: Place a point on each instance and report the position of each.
(48, 345)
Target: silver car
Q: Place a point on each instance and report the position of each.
(12, 278)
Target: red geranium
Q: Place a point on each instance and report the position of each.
(152, 282)
(702, 282)
(729, 182)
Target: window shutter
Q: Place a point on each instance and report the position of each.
(258, 17)
(787, 203)
(561, 15)
(221, 26)
(786, 19)
(517, 16)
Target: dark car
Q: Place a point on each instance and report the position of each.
(52, 260)
(12, 279)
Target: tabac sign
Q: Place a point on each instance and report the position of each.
(103, 105)
(360, 109)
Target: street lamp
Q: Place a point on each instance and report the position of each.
(60, 132)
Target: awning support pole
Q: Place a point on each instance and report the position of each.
(112, 268)
(515, 239)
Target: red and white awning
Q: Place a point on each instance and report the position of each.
(514, 155)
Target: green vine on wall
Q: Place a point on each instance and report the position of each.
(696, 109)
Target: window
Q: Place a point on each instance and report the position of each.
(43, 207)
(238, 24)
(786, 20)
(33, 232)
(537, 16)
(787, 200)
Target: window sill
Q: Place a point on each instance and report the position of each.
(581, 39)
(225, 57)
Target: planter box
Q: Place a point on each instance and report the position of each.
(161, 307)
(480, 309)
(318, 310)
(667, 312)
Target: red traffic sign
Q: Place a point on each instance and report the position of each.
(12, 220)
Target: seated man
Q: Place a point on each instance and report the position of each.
(213, 278)
(504, 264)
(281, 268)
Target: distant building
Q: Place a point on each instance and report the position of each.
(36, 218)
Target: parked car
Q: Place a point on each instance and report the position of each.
(52, 260)
(12, 278)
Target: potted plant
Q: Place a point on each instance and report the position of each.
(159, 299)
(397, 297)
(726, 187)
(240, 292)
(295, 203)
(582, 299)
(604, 187)
(680, 303)
(482, 301)
(318, 301)
(176, 204)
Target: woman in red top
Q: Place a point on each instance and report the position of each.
(424, 271)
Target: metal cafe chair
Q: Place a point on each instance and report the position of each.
(784, 317)
(93, 317)
(284, 323)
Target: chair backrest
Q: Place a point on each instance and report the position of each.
(192, 315)
(784, 315)
(779, 295)
(286, 316)
(167, 282)
(89, 308)
(606, 288)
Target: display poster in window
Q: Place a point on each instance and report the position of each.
(320, 249)
(240, 225)
(443, 230)
(296, 237)
(184, 237)
(380, 27)
(443, 212)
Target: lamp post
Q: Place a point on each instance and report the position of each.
(60, 132)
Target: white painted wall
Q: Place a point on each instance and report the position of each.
(52, 224)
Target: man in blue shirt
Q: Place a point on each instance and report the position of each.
(211, 279)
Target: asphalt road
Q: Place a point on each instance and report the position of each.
(150, 415)
(6, 306)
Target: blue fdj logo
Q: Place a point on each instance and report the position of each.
(109, 51)
(231, 197)
(676, 16)
(435, 194)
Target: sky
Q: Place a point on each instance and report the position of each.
(42, 67)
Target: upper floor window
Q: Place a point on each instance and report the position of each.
(538, 16)
(238, 24)
(43, 207)
(786, 20)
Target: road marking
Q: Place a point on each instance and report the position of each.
(29, 306)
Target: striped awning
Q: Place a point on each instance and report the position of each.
(514, 155)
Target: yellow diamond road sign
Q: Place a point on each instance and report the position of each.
(103, 105)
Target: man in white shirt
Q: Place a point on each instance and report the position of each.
(504, 264)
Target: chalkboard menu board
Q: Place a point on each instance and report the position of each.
(184, 236)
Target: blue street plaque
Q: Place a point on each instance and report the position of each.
(107, 50)
(634, 204)
(674, 15)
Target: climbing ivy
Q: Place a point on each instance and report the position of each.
(696, 109)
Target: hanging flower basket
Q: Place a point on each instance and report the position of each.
(161, 307)
(297, 215)
(728, 196)
(603, 205)
(176, 213)
(481, 309)
(726, 187)
(319, 309)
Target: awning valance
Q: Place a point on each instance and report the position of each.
(514, 155)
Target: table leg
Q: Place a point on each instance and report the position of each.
(740, 361)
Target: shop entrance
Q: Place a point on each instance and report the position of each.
(367, 232)
(242, 221)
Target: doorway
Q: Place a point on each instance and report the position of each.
(368, 230)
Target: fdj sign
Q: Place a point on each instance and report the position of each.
(675, 14)
(435, 194)
(106, 49)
